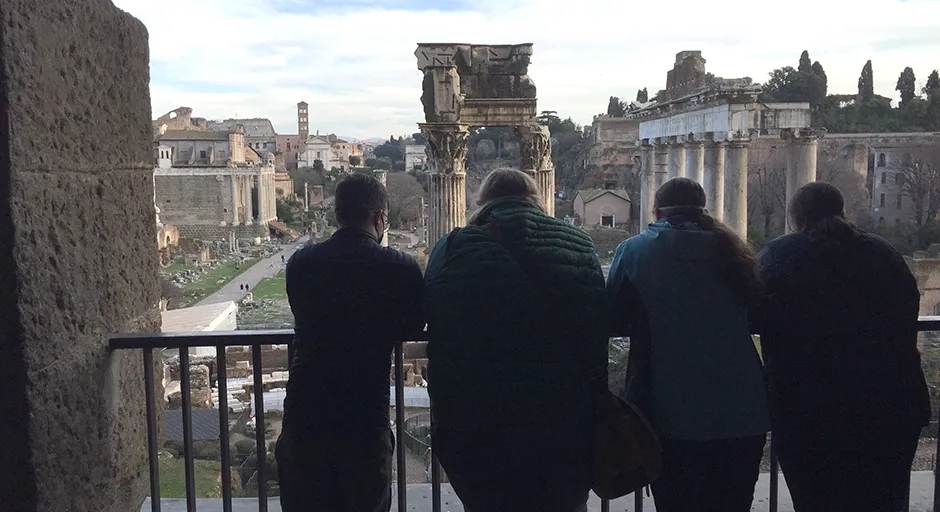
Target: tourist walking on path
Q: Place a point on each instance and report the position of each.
(517, 353)
(352, 301)
(683, 290)
(848, 396)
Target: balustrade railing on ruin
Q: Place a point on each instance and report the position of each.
(148, 344)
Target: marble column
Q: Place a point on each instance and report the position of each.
(714, 180)
(246, 199)
(447, 178)
(535, 144)
(382, 176)
(736, 186)
(262, 204)
(676, 159)
(234, 212)
(660, 166)
(306, 197)
(646, 184)
(801, 162)
(695, 161)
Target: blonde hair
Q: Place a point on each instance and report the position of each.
(506, 184)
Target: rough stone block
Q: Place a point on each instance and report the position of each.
(77, 254)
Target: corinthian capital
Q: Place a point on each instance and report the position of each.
(446, 147)
(535, 144)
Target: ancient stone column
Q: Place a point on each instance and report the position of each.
(74, 421)
(695, 160)
(246, 199)
(736, 186)
(714, 180)
(801, 162)
(646, 184)
(446, 149)
(262, 204)
(660, 165)
(676, 159)
(382, 176)
(234, 180)
(535, 143)
(306, 197)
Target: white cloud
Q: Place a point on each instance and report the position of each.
(357, 70)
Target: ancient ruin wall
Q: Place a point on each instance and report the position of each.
(77, 254)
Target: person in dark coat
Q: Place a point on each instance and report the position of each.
(848, 396)
(684, 290)
(352, 301)
(517, 353)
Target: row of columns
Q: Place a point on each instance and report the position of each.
(721, 167)
(447, 160)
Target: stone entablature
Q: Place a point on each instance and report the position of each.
(479, 85)
(728, 121)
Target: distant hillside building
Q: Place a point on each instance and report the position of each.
(212, 187)
(331, 150)
(606, 208)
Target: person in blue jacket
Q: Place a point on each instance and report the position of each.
(683, 290)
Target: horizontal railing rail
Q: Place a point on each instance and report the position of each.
(256, 339)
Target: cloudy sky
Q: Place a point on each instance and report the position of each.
(353, 60)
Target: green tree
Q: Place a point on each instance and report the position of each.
(318, 167)
(823, 80)
(547, 117)
(932, 87)
(866, 83)
(806, 65)
(642, 96)
(907, 86)
(419, 138)
(616, 108)
(355, 160)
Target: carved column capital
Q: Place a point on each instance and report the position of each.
(535, 147)
(446, 147)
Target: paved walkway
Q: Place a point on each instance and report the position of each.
(419, 499)
(267, 267)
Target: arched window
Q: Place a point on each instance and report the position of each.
(288, 146)
(882, 160)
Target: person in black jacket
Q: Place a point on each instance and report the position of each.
(839, 340)
(352, 301)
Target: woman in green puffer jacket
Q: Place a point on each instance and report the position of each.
(517, 353)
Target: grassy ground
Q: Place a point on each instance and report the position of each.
(272, 288)
(210, 282)
(173, 477)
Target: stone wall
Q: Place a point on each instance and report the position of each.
(209, 233)
(74, 428)
(193, 200)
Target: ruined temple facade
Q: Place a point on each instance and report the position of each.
(703, 128)
(179, 119)
(477, 85)
(211, 186)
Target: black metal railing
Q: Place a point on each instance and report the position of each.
(220, 340)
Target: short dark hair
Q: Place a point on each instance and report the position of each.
(357, 197)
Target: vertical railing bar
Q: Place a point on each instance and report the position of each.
(907, 494)
(936, 472)
(222, 376)
(152, 449)
(605, 505)
(774, 475)
(435, 472)
(638, 500)
(261, 449)
(186, 404)
(400, 426)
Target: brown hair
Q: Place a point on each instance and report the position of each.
(736, 259)
(819, 210)
(506, 184)
(356, 197)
